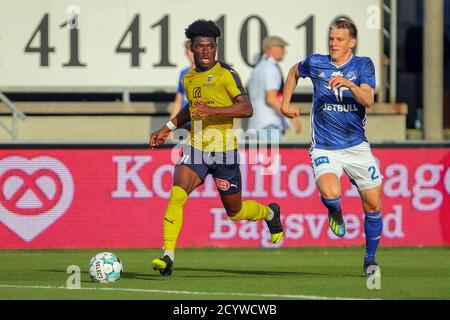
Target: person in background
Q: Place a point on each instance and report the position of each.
(265, 89)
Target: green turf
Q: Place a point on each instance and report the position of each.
(407, 273)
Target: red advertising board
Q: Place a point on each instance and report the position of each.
(116, 198)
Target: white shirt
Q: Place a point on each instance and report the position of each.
(265, 77)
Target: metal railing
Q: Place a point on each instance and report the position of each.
(390, 33)
(16, 114)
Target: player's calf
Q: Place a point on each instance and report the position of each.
(335, 218)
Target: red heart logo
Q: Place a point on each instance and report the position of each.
(34, 194)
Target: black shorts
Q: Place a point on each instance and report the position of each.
(223, 166)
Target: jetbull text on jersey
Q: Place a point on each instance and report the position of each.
(339, 107)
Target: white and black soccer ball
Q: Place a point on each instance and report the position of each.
(105, 267)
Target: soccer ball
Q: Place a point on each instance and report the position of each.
(105, 267)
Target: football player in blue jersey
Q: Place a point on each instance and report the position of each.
(344, 86)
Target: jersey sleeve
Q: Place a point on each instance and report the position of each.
(368, 73)
(181, 81)
(304, 68)
(233, 83)
(180, 84)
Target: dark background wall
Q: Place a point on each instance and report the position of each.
(409, 54)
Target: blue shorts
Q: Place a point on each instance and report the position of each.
(223, 166)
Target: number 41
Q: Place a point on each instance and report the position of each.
(44, 49)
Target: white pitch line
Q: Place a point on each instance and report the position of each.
(261, 295)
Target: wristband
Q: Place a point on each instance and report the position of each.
(171, 126)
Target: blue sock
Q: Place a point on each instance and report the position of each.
(332, 204)
(373, 227)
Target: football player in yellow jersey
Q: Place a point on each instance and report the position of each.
(216, 96)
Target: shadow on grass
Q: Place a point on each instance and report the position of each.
(219, 273)
(224, 273)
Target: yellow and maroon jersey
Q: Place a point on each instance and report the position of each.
(217, 87)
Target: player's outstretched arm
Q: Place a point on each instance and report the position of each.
(242, 108)
(289, 86)
(159, 136)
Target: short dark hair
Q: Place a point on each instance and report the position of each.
(345, 23)
(202, 28)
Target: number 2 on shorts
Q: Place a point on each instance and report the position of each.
(373, 171)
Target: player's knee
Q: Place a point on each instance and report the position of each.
(232, 215)
(372, 206)
(332, 193)
(232, 211)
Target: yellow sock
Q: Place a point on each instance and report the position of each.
(251, 210)
(173, 218)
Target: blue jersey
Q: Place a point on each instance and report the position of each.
(337, 119)
(181, 86)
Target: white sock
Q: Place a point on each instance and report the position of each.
(270, 215)
(169, 253)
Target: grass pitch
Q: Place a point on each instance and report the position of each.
(247, 274)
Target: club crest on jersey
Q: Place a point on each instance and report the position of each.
(321, 160)
(209, 82)
(351, 76)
